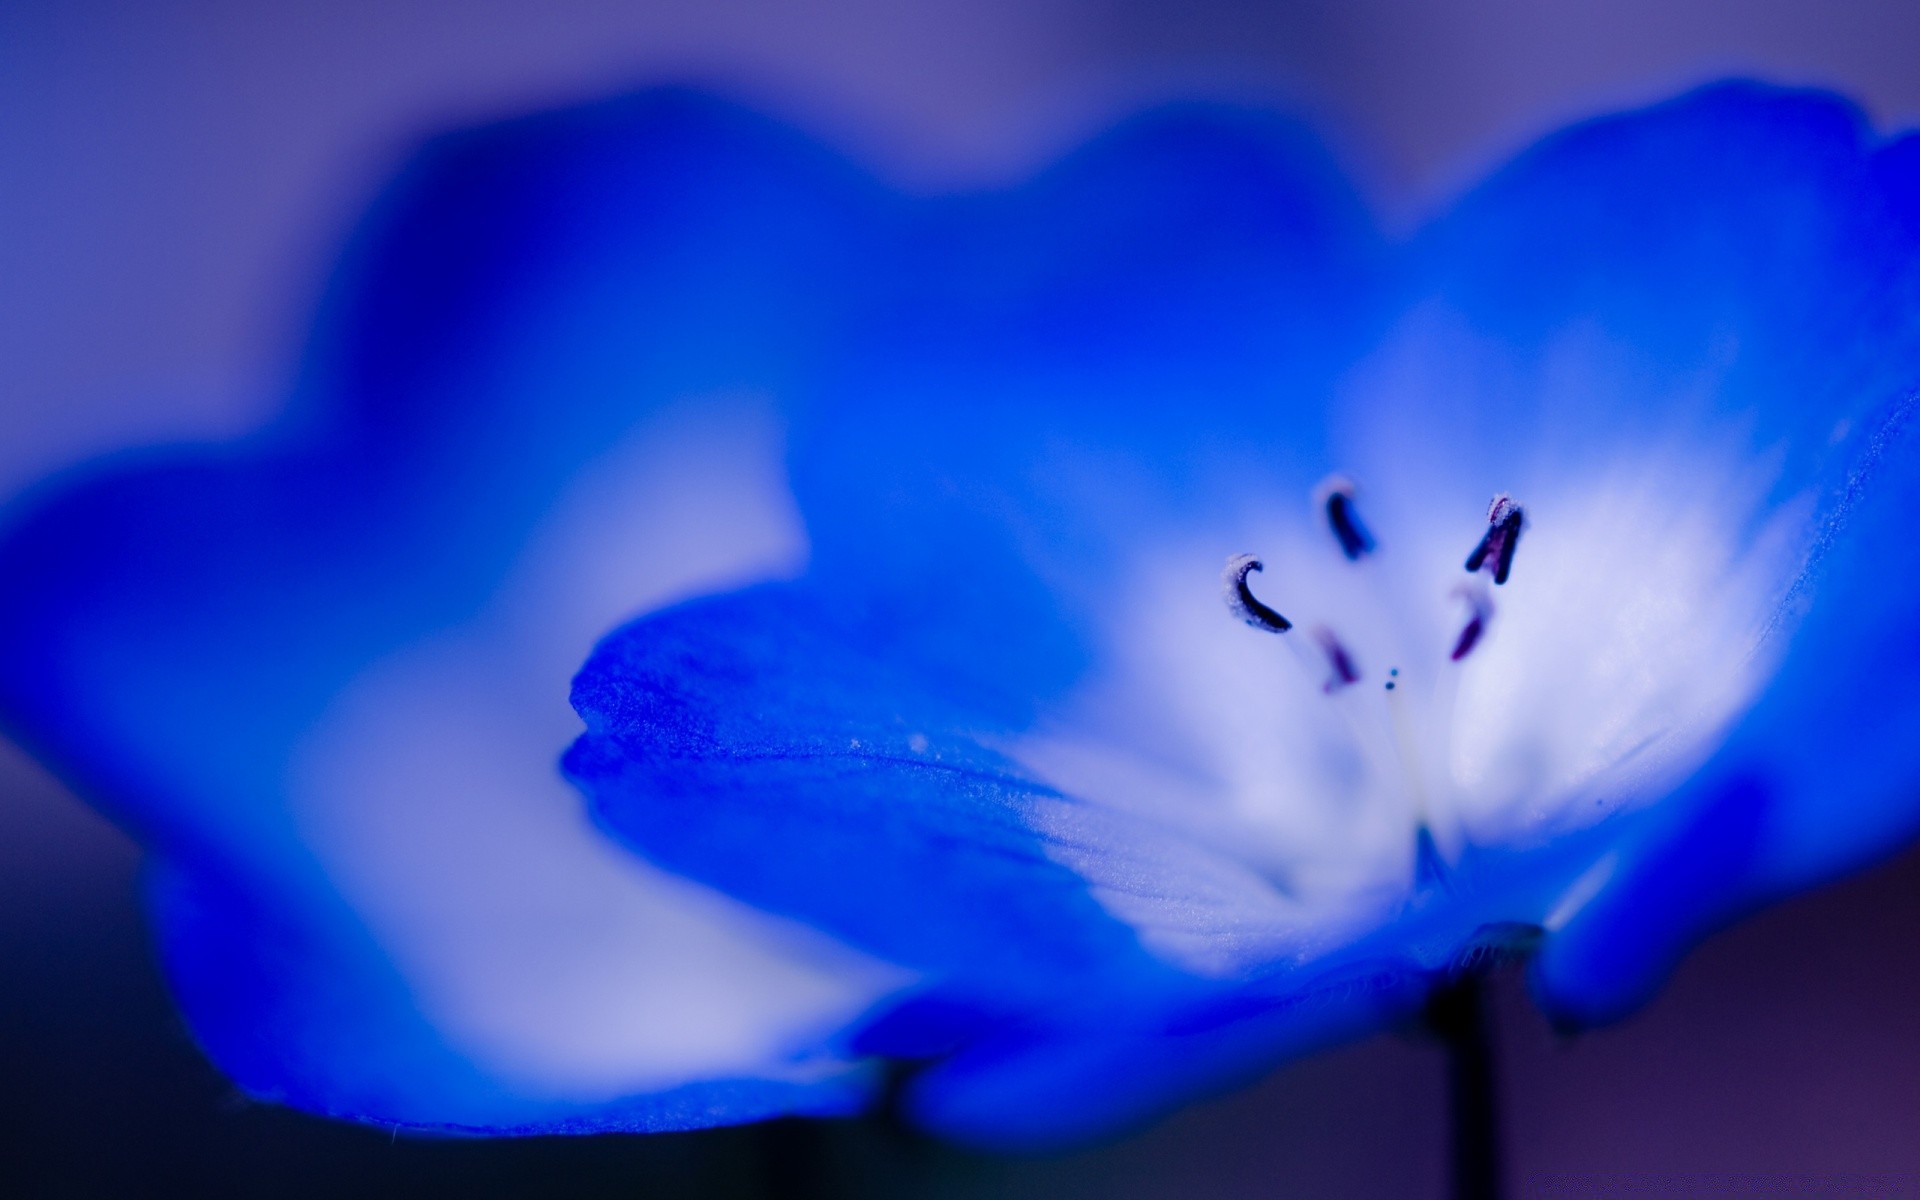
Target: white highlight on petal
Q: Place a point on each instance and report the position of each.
(432, 795)
(1279, 828)
(1582, 892)
(1190, 904)
(1627, 641)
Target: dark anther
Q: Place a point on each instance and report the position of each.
(1469, 637)
(1341, 662)
(1243, 603)
(1480, 607)
(1504, 520)
(1353, 537)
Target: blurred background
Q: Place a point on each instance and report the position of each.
(174, 181)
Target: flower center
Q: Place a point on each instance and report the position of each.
(1493, 554)
(1395, 729)
(1385, 715)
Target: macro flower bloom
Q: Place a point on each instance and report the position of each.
(1585, 598)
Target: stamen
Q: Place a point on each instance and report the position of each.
(1341, 662)
(1480, 611)
(1337, 494)
(1242, 602)
(1504, 520)
(1469, 637)
(1429, 863)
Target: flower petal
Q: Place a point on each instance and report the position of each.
(1718, 297)
(1063, 365)
(321, 673)
(1735, 266)
(1817, 780)
(772, 744)
(1027, 1093)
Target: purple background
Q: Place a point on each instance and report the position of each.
(173, 180)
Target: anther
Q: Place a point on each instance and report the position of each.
(1336, 493)
(1338, 660)
(1504, 521)
(1242, 602)
(1469, 637)
(1479, 612)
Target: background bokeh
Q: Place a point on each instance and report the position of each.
(174, 179)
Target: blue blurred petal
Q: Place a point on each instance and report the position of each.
(1055, 368)
(321, 673)
(1735, 267)
(1028, 1092)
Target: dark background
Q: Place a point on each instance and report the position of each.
(173, 181)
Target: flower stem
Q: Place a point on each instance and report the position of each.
(1457, 1014)
(794, 1159)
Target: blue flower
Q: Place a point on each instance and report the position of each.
(1588, 598)
(960, 759)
